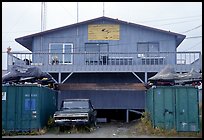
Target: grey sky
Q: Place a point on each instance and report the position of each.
(24, 18)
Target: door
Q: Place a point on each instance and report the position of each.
(8, 107)
(30, 114)
(164, 112)
(187, 109)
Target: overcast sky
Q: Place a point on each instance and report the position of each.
(24, 18)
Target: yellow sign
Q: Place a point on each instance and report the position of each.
(104, 32)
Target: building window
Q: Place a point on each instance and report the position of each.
(61, 53)
(96, 52)
(148, 49)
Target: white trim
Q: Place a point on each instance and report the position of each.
(137, 77)
(67, 77)
(63, 51)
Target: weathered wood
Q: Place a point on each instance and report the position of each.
(102, 86)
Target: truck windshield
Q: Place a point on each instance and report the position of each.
(75, 104)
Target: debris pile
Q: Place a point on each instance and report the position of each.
(31, 74)
(168, 77)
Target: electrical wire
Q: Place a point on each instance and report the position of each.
(192, 46)
(170, 19)
(26, 11)
(20, 31)
(65, 9)
(193, 29)
(192, 37)
(177, 22)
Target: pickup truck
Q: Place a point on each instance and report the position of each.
(75, 112)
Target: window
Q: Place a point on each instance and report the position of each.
(95, 52)
(60, 53)
(92, 47)
(146, 47)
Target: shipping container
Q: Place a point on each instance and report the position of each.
(173, 107)
(27, 107)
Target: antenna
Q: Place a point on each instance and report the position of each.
(43, 16)
(77, 13)
(103, 9)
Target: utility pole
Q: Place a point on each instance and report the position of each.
(43, 23)
(43, 16)
(77, 12)
(103, 9)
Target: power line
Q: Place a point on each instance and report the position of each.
(193, 46)
(21, 15)
(65, 9)
(192, 37)
(192, 29)
(20, 31)
(178, 22)
(171, 18)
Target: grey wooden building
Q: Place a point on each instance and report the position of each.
(105, 59)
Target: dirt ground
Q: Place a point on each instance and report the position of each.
(103, 130)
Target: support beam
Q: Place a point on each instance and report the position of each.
(145, 77)
(137, 77)
(127, 116)
(54, 80)
(59, 77)
(138, 112)
(67, 77)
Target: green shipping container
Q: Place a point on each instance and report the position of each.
(174, 107)
(27, 107)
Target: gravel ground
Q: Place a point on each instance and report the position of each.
(103, 130)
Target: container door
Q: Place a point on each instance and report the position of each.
(149, 103)
(4, 107)
(187, 109)
(29, 112)
(164, 107)
(9, 108)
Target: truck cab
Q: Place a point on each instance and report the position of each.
(75, 112)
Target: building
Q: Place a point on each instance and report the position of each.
(105, 59)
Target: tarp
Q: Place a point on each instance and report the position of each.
(168, 74)
(26, 74)
(192, 76)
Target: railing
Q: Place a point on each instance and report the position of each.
(104, 59)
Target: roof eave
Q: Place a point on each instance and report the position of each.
(26, 42)
(179, 39)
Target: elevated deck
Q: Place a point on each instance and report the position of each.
(108, 62)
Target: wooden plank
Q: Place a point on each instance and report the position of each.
(104, 32)
(102, 86)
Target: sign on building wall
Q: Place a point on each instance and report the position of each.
(3, 95)
(103, 32)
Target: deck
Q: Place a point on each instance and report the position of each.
(108, 62)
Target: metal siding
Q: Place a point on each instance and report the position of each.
(187, 109)
(174, 107)
(129, 36)
(161, 106)
(23, 111)
(107, 99)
